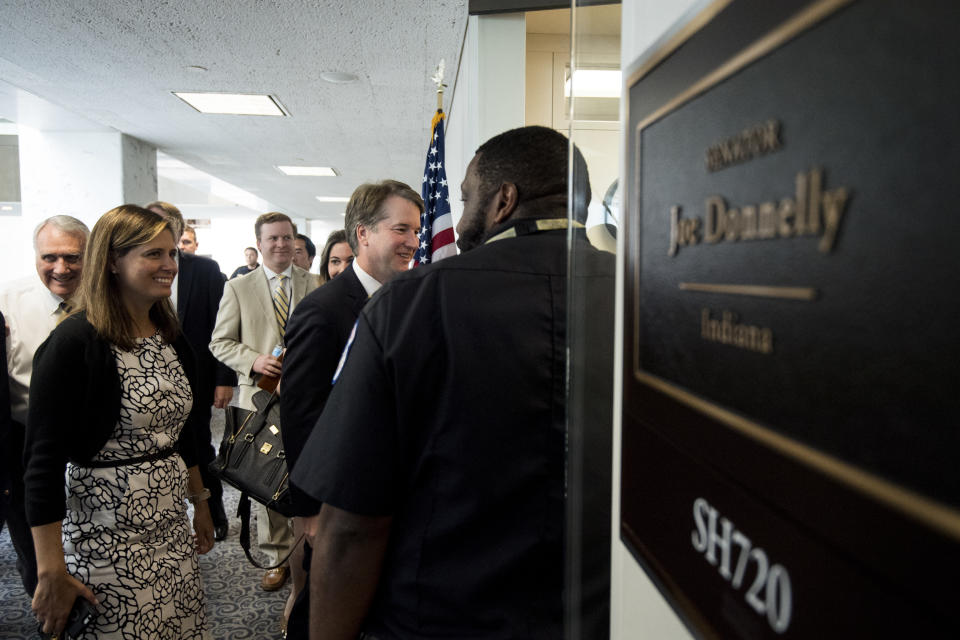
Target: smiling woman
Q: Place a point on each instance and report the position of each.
(120, 537)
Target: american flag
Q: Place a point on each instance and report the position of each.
(436, 222)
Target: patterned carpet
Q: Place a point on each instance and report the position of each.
(236, 606)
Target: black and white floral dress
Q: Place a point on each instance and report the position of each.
(126, 534)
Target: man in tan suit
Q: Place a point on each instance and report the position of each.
(250, 323)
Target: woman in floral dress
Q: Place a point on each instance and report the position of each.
(110, 402)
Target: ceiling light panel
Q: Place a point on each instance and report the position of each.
(333, 199)
(307, 171)
(240, 104)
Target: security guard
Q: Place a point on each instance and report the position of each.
(439, 458)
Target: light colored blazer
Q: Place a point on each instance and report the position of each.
(247, 327)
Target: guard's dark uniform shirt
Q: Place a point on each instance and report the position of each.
(449, 415)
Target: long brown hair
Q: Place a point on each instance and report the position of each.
(335, 238)
(114, 235)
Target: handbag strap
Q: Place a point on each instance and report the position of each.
(262, 413)
(243, 512)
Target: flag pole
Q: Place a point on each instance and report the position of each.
(436, 237)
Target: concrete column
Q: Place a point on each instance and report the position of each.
(83, 174)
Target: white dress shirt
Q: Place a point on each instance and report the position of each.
(272, 280)
(370, 284)
(31, 313)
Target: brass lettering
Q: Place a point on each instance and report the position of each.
(716, 214)
(771, 135)
(748, 222)
(753, 141)
(688, 231)
(834, 202)
(801, 207)
(812, 211)
(787, 211)
(768, 221)
(674, 231)
(728, 331)
(732, 225)
(683, 231)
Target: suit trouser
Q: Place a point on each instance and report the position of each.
(276, 538)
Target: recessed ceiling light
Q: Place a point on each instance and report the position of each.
(6, 207)
(338, 77)
(241, 104)
(333, 199)
(307, 171)
(196, 68)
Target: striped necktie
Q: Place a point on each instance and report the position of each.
(281, 304)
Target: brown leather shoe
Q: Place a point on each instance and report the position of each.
(275, 578)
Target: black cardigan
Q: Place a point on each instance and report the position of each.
(74, 407)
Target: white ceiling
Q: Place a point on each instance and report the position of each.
(116, 62)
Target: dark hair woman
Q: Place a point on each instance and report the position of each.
(337, 256)
(110, 401)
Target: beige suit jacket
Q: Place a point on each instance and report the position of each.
(247, 327)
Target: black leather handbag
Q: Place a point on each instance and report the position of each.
(252, 460)
(251, 457)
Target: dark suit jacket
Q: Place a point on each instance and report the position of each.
(199, 289)
(316, 334)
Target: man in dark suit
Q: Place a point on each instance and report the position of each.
(199, 287)
(382, 221)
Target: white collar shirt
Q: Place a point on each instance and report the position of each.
(31, 312)
(370, 284)
(272, 280)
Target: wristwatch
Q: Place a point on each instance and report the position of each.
(197, 497)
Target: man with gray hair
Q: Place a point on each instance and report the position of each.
(32, 309)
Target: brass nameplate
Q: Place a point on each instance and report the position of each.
(274, 429)
(265, 449)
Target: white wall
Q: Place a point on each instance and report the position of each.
(638, 611)
(488, 92)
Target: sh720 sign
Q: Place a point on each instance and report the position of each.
(769, 591)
